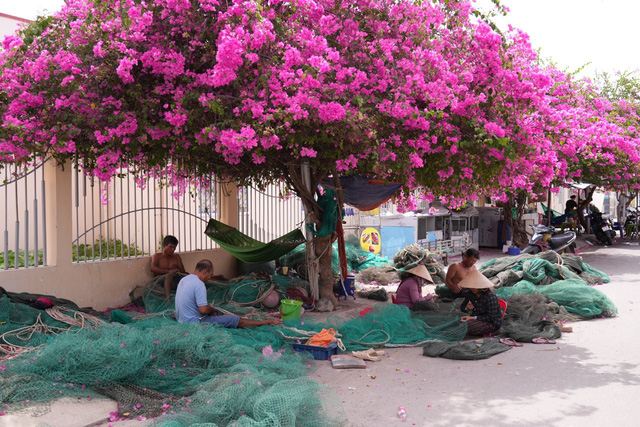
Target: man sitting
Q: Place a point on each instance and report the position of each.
(192, 305)
(168, 262)
(459, 270)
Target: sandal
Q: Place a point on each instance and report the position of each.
(511, 342)
(543, 340)
(562, 327)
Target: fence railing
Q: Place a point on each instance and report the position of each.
(23, 217)
(266, 215)
(125, 218)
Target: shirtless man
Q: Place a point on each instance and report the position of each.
(167, 262)
(460, 270)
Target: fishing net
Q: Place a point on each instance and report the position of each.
(387, 325)
(541, 269)
(238, 295)
(413, 255)
(357, 259)
(193, 373)
(470, 350)
(182, 373)
(378, 276)
(562, 279)
(532, 316)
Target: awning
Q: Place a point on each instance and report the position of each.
(362, 192)
(581, 185)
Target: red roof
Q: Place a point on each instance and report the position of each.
(15, 18)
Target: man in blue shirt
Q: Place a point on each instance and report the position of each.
(192, 305)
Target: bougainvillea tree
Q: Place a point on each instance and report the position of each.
(421, 93)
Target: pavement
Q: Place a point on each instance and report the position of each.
(590, 377)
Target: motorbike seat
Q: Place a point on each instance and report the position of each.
(561, 239)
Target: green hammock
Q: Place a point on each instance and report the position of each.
(249, 250)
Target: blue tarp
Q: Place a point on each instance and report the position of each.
(364, 193)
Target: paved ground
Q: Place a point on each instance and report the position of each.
(590, 377)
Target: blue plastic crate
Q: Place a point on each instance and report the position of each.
(318, 353)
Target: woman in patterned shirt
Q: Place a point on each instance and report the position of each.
(482, 305)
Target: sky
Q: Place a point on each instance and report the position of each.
(572, 33)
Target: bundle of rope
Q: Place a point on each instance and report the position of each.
(78, 318)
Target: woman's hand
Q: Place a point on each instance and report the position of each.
(467, 318)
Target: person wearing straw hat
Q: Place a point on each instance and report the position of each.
(482, 305)
(410, 290)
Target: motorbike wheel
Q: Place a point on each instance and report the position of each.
(602, 238)
(572, 248)
(531, 250)
(609, 241)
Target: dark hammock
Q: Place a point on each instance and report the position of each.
(248, 249)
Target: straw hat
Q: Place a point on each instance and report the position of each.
(421, 271)
(475, 280)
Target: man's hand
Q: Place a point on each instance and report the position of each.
(466, 318)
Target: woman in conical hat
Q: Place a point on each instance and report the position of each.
(410, 290)
(482, 305)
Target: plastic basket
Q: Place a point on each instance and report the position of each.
(318, 353)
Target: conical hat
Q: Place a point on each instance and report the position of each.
(421, 271)
(475, 280)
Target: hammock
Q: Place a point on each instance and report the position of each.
(249, 250)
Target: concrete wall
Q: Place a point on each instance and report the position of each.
(97, 284)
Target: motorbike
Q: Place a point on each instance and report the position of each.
(629, 224)
(546, 238)
(602, 228)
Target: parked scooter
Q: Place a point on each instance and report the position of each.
(602, 228)
(545, 238)
(630, 223)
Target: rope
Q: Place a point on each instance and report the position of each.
(559, 263)
(79, 319)
(373, 343)
(25, 334)
(262, 294)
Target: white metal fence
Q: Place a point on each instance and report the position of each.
(23, 217)
(125, 218)
(266, 215)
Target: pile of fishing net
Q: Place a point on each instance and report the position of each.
(542, 292)
(413, 255)
(180, 373)
(389, 325)
(541, 269)
(239, 295)
(562, 279)
(357, 259)
(195, 373)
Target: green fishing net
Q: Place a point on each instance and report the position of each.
(184, 374)
(563, 279)
(181, 373)
(389, 325)
(238, 295)
(357, 259)
(470, 350)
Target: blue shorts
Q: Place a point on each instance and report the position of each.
(227, 320)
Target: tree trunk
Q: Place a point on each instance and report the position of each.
(321, 245)
(624, 200)
(520, 237)
(324, 252)
(584, 205)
